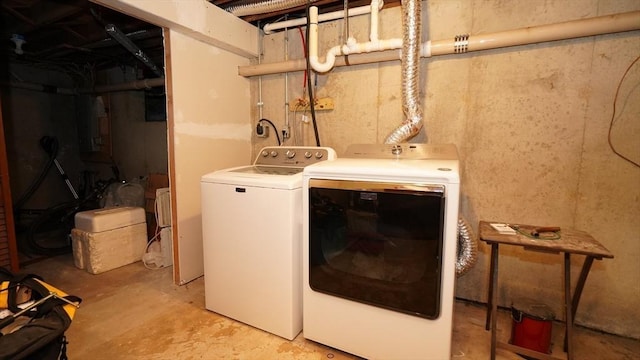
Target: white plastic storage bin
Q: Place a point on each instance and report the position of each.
(105, 239)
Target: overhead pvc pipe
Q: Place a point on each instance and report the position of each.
(351, 46)
(126, 86)
(360, 10)
(607, 24)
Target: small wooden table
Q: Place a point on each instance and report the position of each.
(569, 242)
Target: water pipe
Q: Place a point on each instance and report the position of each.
(600, 25)
(360, 10)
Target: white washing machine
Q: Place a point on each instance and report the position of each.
(380, 228)
(252, 239)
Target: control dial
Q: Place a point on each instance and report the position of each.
(290, 154)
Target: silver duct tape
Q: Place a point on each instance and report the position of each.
(467, 248)
(412, 27)
(265, 7)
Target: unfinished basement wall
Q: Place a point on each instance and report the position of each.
(30, 115)
(530, 124)
(139, 146)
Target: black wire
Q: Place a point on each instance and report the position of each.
(311, 98)
(275, 129)
(613, 115)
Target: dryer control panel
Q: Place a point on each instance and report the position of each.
(403, 151)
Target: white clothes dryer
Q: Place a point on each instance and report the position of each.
(252, 239)
(380, 228)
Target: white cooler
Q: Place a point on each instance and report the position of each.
(105, 239)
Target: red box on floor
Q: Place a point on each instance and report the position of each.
(531, 325)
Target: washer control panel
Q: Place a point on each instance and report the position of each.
(293, 156)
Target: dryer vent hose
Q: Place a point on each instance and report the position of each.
(467, 248)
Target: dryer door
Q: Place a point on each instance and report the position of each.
(378, 243)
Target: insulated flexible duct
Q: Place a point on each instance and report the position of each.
(467, 248)
(411, 126)
(265, 7)
(411, 24)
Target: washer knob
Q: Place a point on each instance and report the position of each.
(319, 155)
(274, 153)
(264, 153)
(396, 150)
(308, 154)
(290, 154)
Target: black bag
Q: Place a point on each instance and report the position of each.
(42, 334)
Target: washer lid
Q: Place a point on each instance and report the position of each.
(269, 170)
(252, 176)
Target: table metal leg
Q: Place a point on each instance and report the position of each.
(568, 305)
(494, 298)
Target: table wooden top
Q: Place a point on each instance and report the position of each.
(570, 241)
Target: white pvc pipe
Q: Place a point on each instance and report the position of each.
(361, 10)
(543, 33)
(351, 47)
(313, 46)
(600, 25)
(373, 34)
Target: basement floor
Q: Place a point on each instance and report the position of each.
(136, 313)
